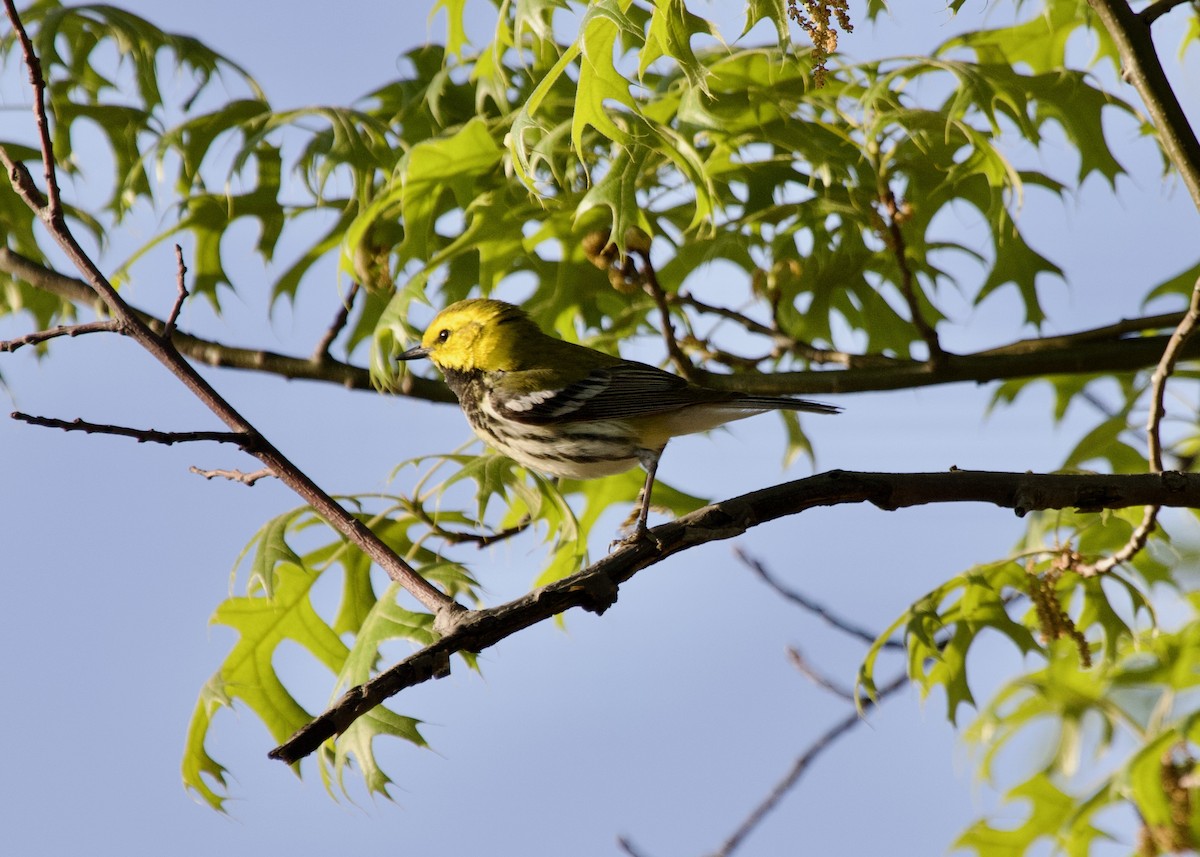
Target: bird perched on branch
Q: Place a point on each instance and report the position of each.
(568, 410)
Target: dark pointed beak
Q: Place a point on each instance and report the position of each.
(414, 353)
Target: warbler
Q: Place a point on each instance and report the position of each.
(568, 410)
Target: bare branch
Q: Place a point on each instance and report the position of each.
(626, 845)
(817, 677)
(321, 352)
(1158, 389)
(218, 354)
(1156, 10)
(180, 295)
(801, 765)
(894, 213)
(242, 439)
(595, 587)
(819, 610)
(649, 278)
(137, 329)
(1141, 66)
(61, 330)
(1090, 357)
(233, 475)
(50, 210)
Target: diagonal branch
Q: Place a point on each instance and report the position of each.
(162, 349)
(1158, 391)
(1157, 9)
(595, 587)
(1141, 67)
(894, 215)
(218, 354)
(321, 351)
(802, 764)
(819, 610)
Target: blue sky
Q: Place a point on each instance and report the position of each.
(665, 720)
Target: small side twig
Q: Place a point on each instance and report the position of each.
(894, 215)
(168, 438)
(817, 677)
(108, 325)
(242, 431)
(1156, 10)
(626, 845)
(819, 610)
(180, 295)
(802, 764)
(784, 344)
(649, 278)
(48, 207)
(1158, 389)
(233, 475)
(321, 352)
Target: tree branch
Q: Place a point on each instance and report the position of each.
(181, 294)
(1084, 357)
(164, 351)
(233, 475)
(819, 610)
(1141, 67)
(321, 351)
(894, 214)
(212, 353)
(649, 278)
(1110, 348)
(818, 678)
(1156, 10)
(1158, 391)
(595, 587)
(61, 330)
(243, 439)
(802, 764)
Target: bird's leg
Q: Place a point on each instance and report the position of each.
(649, 459)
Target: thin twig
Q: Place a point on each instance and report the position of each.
(242, 439)
(817, 677)
(894, 214)
(1158, 389)
(233, 475)
(51, 208)
(1114, 332)
(212, 353)
(433, 599)
(801, 765)
(107, 325)
(649, 279)
(1156, 10)
(819, 610)
(180, 295)
(321, 352)
(626, 844)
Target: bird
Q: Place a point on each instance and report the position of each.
(568, 410)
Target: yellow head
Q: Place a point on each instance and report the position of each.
(477, 334)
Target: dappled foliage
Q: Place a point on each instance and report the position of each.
(599, 160)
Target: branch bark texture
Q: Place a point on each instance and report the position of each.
(595, 587)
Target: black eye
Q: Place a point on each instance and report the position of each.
(443, 335)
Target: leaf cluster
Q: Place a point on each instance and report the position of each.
(794, 229)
